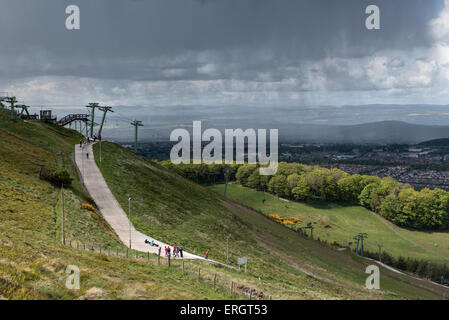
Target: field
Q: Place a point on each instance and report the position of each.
(345, 222)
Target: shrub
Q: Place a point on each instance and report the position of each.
(58, 177)
(87, 206)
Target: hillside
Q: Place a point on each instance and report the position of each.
(345, 221)
(173, 209)
(32, 260)
(435, 143)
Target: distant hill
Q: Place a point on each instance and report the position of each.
(435, 143)
(384, 132)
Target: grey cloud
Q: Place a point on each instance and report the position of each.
(138, 40)
(217, 53)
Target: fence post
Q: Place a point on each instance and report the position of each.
(182, 267)
(148, 256)
(127, 252)
(84, 246)
(215, 281)
(250, 294)
(137, 257)
(158, 259)
(199, 271)
(77, 245)
(169, 261)
(116, 249)
(232, 286)
(70, 243)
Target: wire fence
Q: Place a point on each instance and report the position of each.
(188, 268)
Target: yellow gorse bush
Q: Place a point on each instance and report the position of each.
(87, 206)
(287, 221)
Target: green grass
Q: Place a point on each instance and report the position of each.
(32, 260)
(173, 209)
(345, 222)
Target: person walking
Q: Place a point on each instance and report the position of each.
(207, 253)
(175, 250)
(180, 252)
(87, 155)
(81, 143)
(169, 251)
(166, 251)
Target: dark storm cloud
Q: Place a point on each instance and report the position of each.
(192, 39)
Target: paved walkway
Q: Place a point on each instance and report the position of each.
(111, 209)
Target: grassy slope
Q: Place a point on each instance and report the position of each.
(174, 209)
(32, 261)
(346, 222)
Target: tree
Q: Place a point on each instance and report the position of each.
(244, 172)
(258, 181)
(278, 185)
(302, 191)
(292, 181)
(351, 186)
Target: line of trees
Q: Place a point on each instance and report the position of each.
(422, 268)
(397, 202)
(400, 203)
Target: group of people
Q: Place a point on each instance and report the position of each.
(177, 251)
(87, 139)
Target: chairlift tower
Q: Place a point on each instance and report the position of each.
(380, 252)
(309, 226)
(12, 101)
(105, 110)
(357, 238)
(2, 99)
(24, 109)
(362, 236)
(92, 106)
(136, 124)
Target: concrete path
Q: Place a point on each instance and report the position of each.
(111, 209)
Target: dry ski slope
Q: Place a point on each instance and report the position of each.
(110, 208)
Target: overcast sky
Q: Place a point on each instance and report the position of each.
(249, 53)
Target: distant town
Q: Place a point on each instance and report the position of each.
(421, 165)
